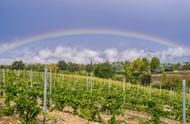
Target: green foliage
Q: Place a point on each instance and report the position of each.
(18, 65)
(188, 82)
(139, 70)
(7, 110)
(26, 105)
(118, 68)
(174, 84)
(145, 78)
(72, 67)
(154, 64)
(22, 99)
(155, 111)
(35, 67)
(89, 68)
(164, 77)
(62, 65)
(104, 70)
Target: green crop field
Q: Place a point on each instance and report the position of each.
(22, 94)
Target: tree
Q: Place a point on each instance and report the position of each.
(62, 65)
(145, 78)
(35, 67)
(138, 70)
(18, 65)
(53, 67)
(146, 64)
(154, 64)
(89, 68)
(118, 68)
(72, 67)
(104, 70)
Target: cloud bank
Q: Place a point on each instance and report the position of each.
(84, 56)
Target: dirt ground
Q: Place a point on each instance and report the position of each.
(66, 117)
(171, 76)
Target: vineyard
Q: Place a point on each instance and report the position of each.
(25, 93)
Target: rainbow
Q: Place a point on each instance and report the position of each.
(46, 36)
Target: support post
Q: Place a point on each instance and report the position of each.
(91, 83)
(50, 87)
(109, 85)
(184, 102)
(124, 90)
(45, 92)
(150, 91)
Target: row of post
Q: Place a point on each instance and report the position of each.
(91, 87)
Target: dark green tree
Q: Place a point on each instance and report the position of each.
(104, 70)
(89, 67)
(145, 78)
(72, 67)
(62, 65)
(18, 65)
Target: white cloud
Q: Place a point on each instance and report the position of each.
(111, 54)
(45, 53)
(87, 55)
(132, 54)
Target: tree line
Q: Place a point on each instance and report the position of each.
(139, 69)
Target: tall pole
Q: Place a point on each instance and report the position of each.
(4, 77)
(91, 83)
(55, 77)
(45, 92)
(50, 83)
(150, 91)
(109, 85)
(124, 90)
(184, 102)
(160, 89)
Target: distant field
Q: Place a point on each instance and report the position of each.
(171, 75)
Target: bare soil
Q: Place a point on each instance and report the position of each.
(66, 117)
(171, 76)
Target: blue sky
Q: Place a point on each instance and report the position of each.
(166, 19)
